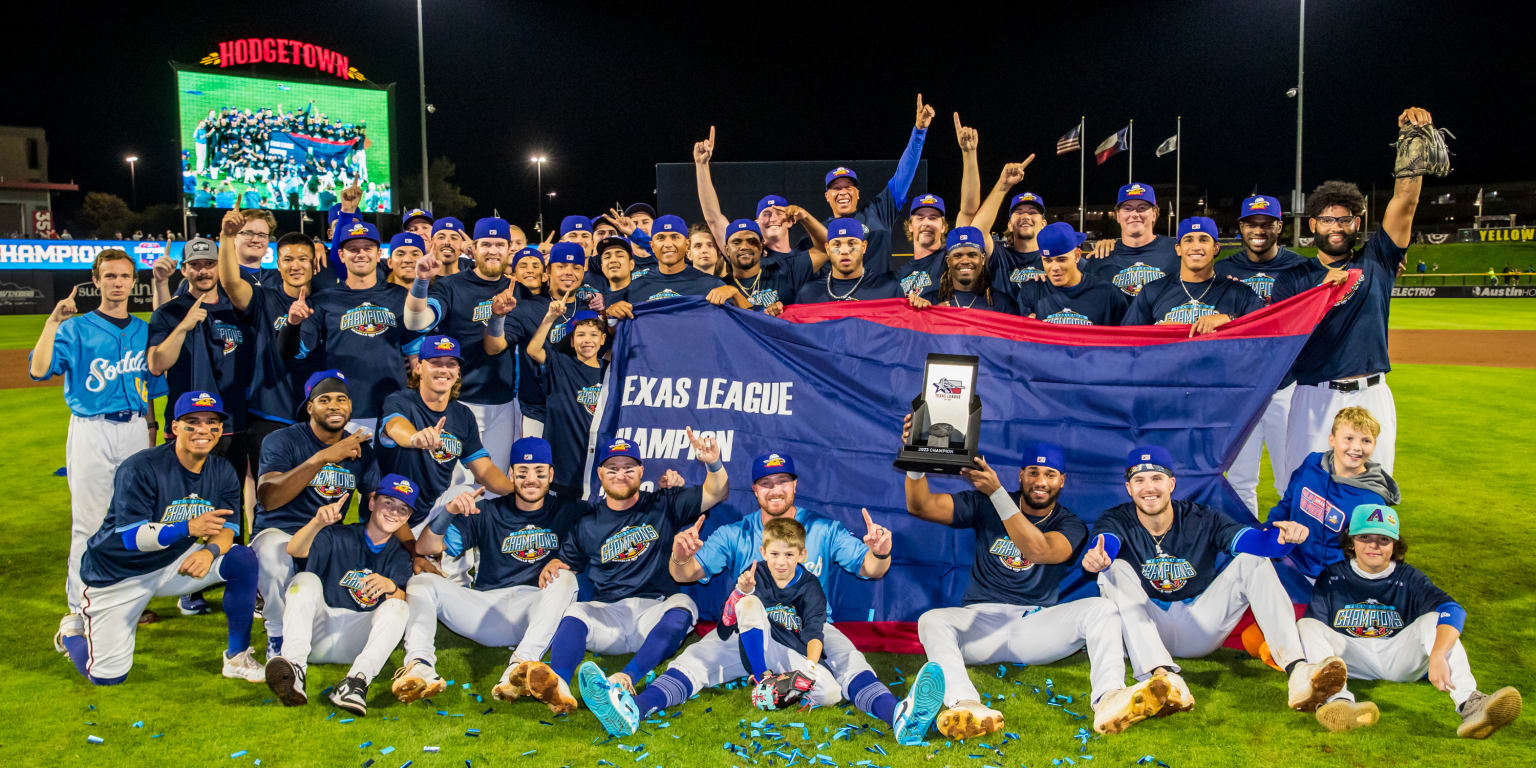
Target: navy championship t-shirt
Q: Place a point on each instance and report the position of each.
(1181, 563)
(342, 556)
(797, 611)
(1090, 302)
(461, 307)
(276, 382)
(778, 279)
(573, 389)
(625, 554)
(1173, 300)
(867, 287)
(1359, 607)
(655, 285)
(295, 444)
(216, 356)
(1129, 268)
(514, 545)
(432, 469)
(1015, 268)
(1260, 277)
(362, 333)
(1351, 340)
(922, 273)
(999, 572)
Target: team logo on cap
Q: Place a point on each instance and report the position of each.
(948, 389)
(1167, 573)
(332, 481)
(368, 319)
(185, 509)
(628, 543)
(588, 397)
(1368, 619)
(773, 460)
(352, 581)
(403, 486)
(204, 400)
(1008, 554)
(1258, 205)
(415, 212)
(1194, 227)
(531, 544)
(1029, 197)
(927, 200)
(619, 446)
(840, 171)
(1135, 190)
(1067, 317)
(358, 229)
(444, 343)
(450, 450)
(1146, 457)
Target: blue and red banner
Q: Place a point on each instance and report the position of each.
(830, 384)
(295, 146)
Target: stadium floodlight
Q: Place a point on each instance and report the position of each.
(133, 177)
(538, 164)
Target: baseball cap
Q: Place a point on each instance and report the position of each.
(927, 201)
(532, 450)
(357, 230)
(1374, 518)
(1148, 458)
(1197, 224)
(772, 464)
(1135, 191)
(313, 385)
(614, 242)
(407, 239)
(581, 315)
(668, 223)
(769, 202)
(433, 347)
(397, 487)
(567, 253)
(1045, 455)
(447, 223)
(493, 227)
(575, 223)
(1027, 198)
(964, 237)
(842, 173)
(617, 447)
(846, 228)
(1059, 239)
(1260, 205)
(415, 213)
(743, 225)
(528, 252)
(199, 249)
(199, 402)
(645, 208)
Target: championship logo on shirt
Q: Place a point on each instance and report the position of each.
(352, 581)
(639, 273)
(229, 335)
(1368, 619)
(916, 281)
(1067, 317)
(332, 481)
(666, 293)
(588, 397)
(280, 323)
(368, 319)
(764, 297)
(1167, 573)
(1350, 294)
(1322, 510)
(186, 509)
(1262, 284)
(785, 616)
(1132, 278)
(556, 333)
(531, 544)
(1023, 275)
(1187, 313)
(450, 451)
(1008, 553)
(628, 543)
(482, 312)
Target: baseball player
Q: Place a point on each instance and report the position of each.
(771, 629)
(577, 229)
(1067, 295)
(248, 231)
(347, 607)
(528, 272)
(1140, 255)
(636, 607)
(1156, 560)
(640, 238)
(615, 267)
(170, 531)
(108, 389)
(1195, 294)
(405, 249)
(516, 535)
(966, 279)
(773, 220)
(926, 227)
(672, 276)
(1387, 621)
(418, 222)
(848, 279)
(563, 278)
(771, 283)
(1015, 255)
(704, 251)
(304, 467)
(1257, 264)
(450, 245)
(1345, 362)
(1012, 611)
(734, 547)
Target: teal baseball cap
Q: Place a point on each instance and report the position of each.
(1374, 518)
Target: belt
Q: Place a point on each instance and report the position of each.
(1355, 385)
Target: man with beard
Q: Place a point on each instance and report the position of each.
(1012, 610)
(1195, 295)
(405, 249)
(1015, 258)
(450, 245)
(966, 281)
(1067, 296)
(1257, 264)
(771, 284)
(304, 467)
(1345, 362)
(672, 276)
(926, 228)
(735, 547)
(516, 535)
(1140, 255)
(848, 279)
(461, 306)
(636, 607)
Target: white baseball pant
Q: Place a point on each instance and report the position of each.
(275, 571)
(839, 653)
(1313, 408)
(93, 450)
(621, 627)
(532, 427)
(498, 431)
(323, 634)
(112, 612)
(525, 615)
(456, 567)
(713, 661)
(1403, 657)
(1270, 431)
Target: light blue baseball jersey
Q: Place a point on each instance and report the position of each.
(733, 547)
(104, 367)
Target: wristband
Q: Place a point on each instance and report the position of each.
(497, 326)
(916, 475)
(214, 548)
(419, 287)
(1004, 504)
(716, 465)
(885, 556)
(439, 524)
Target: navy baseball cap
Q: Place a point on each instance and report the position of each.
(399, 488)
(433, 347)
(575, 223)
(846, 228)
(415, 213)
(1197, 224)
(1135, 191)
(1148, 458)
(965, 237)
(769, 202)
(493, 227)
(407, 239)
(199, 402)
(1260, 205)
(617, 447)
(1027, 198)
(357, 230)
(567, 253)
(614, 242)
(532, 450)
(772, 464)
(1059, 239)
(669, 223)
(448, 223)
(528, 252)
(927, 201)
(743, 225)
(645, 208)
(1045, 455)
(337, 378)
(842, 173)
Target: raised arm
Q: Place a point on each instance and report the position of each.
(163, 356)
(970, 175)
(418, 313)
(536, 344)
(1397, 219)
(40, 363)
(906, 167)
(716, 484)
(709, 202)
(494, 337)
(817, 232)
(298, 546)
(230, 279)
(274, 489)
(1012, 174)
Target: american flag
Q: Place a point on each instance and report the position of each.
(1071, 142)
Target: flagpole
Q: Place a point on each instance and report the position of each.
(1130, 146)
(1082, 163)
(1178, 164)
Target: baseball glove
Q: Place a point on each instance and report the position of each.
(780, 691)
(1421, 151)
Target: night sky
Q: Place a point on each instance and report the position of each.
(608, 91)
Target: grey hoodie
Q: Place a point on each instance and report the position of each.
(1374, 478)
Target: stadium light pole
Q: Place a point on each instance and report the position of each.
(1301, 45)
(421, 78)
(538, 163)
(133, 177)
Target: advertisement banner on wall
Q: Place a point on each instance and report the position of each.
(78, 254)
(1463, 292)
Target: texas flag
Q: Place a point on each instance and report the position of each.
(1114, 145)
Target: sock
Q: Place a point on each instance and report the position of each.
(238, 569)
(662, 641)
(752, 646)
(872, 697)
(568, 647)
(1291, 666)
(78, 653)
(668, 690)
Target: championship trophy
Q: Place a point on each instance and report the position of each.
(946, 418)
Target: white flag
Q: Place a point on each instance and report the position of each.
(1170, 144)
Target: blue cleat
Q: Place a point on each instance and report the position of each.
(613, 706)
(915, 713)
(194, 605)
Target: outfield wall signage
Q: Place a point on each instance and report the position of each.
(78, 254)
(276, 50)
(1463, 292)
(1496, 235)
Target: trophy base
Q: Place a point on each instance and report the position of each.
(942, 461)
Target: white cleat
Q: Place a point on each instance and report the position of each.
(1121, 708)
(1312, 684)
(416, 680)
(243, 666)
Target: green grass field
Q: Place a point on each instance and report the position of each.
(1455, 258)
(1466, 531)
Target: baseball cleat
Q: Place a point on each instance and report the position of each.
(613, 706)
(1484, 713)
(243, 666)
(969, 719)
(623, 681)
(417, 680)
(1121, 708)
(548, 687)
(1179, 698)
(72, 625)
(193, 605)
(513, 684)
(286, 679)
(1313, 684)
(916, 712)
(1342, 715)
(351, 694)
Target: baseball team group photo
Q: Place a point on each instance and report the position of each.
(491, 409)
